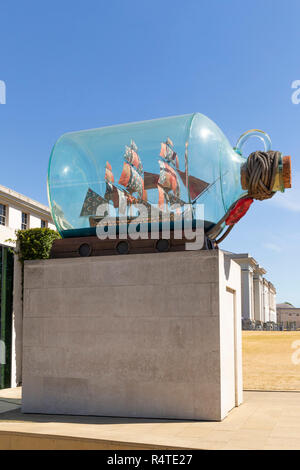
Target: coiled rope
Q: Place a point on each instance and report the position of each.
(260, 172)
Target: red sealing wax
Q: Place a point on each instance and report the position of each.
(238, 211)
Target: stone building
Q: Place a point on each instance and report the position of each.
(258, 294)
(288, 316)
(20, 212)
(16, 212)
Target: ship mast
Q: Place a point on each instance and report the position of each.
(132, 177)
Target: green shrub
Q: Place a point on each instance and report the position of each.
(35, 243)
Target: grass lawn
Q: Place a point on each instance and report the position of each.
(269, 360)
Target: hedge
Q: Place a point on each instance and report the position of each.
(35, 243)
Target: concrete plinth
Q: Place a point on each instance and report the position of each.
(147, 335)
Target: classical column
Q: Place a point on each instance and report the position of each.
(247, 291)
(258, 293)
(272, 295)
(266, 301)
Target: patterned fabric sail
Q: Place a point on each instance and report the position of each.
(91, 203)
(168, 181)
(132, 180)
(131, 156)
(167, 152)
(161, 198)
(195, 185)
(165, 198)
(168, 178)
(111, 193)
(132, 176)
(109, 177)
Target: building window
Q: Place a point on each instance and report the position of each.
(2, 214)
(24, 224)
(43, 223)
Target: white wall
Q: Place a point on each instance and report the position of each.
(246, 294)
(34, 222)
(230, 332)
(258, 298)
(14, 221)
(6, 233)
(273, 314)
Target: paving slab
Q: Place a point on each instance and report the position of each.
(266, 420)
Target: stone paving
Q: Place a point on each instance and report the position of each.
(266, 420)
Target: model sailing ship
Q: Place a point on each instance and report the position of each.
(134, 183)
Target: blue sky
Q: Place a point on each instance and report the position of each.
(71, 65)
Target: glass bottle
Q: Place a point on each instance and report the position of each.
(163, 164)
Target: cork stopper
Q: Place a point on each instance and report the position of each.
(287, 172)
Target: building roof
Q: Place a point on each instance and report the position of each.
(248, 259)
(285, 305)
(240, 256)
(14, 197)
